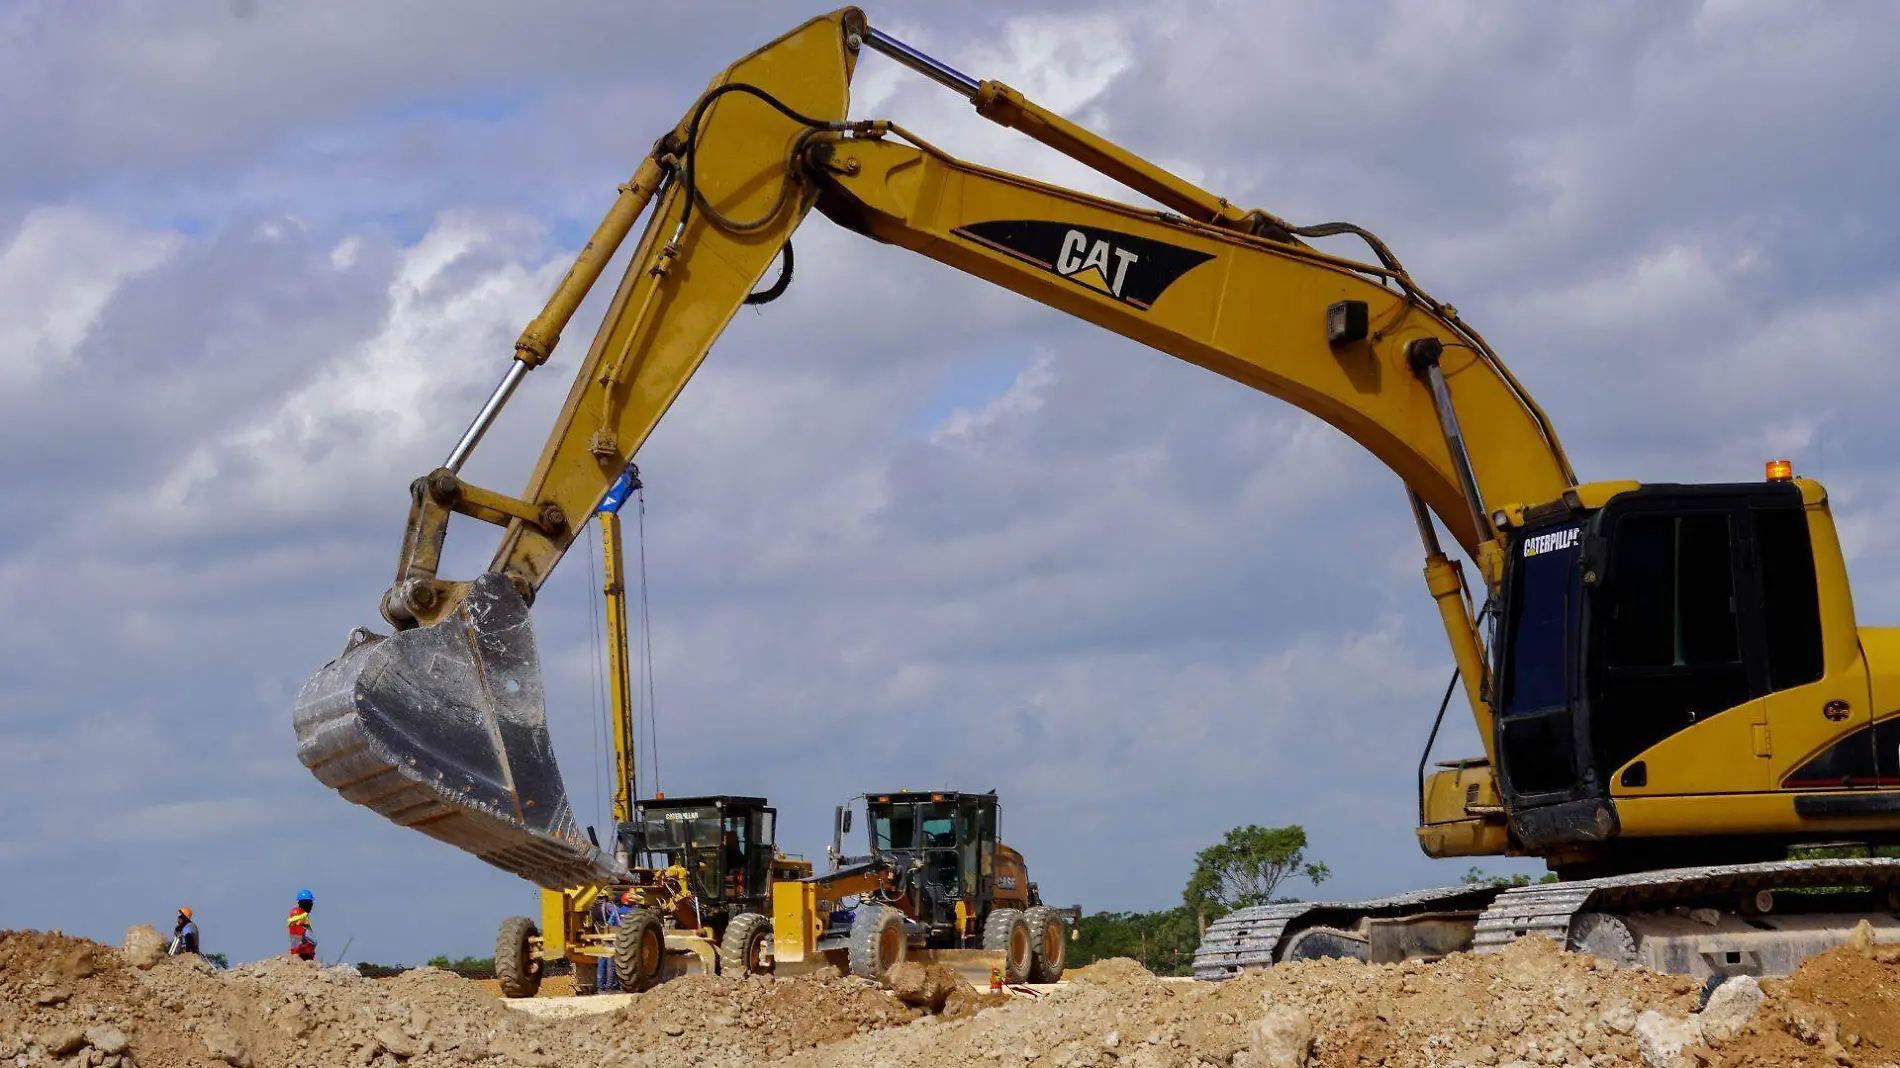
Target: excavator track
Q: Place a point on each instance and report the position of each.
(443, 729)
(1253, 937)
(1646, 918)
(1695, 921)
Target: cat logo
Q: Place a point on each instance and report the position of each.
(1556, 541)
(1072, 263)
(1123, 267)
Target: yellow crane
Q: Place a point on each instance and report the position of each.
(1669, 681)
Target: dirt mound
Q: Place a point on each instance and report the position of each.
(1114, 971)
(1861, 989)
(1533, 1002)
(552, 986)
(714, 1021)
(69, 1002)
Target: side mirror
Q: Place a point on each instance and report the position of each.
(844, 820)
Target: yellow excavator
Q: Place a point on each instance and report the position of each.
(1669, 680)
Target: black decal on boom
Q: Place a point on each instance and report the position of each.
(1133, 270)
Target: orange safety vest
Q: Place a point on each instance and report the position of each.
(299, 924)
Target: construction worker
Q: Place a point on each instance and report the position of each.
(602, 915)
(605, 979)
(302, 946)
(185, 934)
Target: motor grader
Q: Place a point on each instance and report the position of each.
(1669, 681)
(701, 872)
(937, 885)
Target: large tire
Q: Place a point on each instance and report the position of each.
(878, 943)
(741, 950)
(517, 966)
(1049, 941)
(1006, 931)
(639, 950)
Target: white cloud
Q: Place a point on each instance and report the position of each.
(343, 255)
(57, 274)
(1021, 400)
(390, 396)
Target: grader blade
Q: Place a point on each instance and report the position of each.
(444, 729)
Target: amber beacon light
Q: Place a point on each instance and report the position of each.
(1780, 471)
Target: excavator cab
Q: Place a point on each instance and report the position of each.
(1666, 609)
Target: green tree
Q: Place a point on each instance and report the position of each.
(218, 960)
(1245, 868)
(1162, 942)
(1475, 876)
(465, 965)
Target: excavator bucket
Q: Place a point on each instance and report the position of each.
(444, 729)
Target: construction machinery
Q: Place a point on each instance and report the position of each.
(1669, 681)
(699, 882)
(937, 885)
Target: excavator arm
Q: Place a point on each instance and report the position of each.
(441, 726)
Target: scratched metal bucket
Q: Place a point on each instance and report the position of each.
(444, 729)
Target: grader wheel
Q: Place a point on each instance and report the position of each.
(517, 964)
(877, 942)
(742, 950)
(1006, 931)
(639, 950)
(1048, 939)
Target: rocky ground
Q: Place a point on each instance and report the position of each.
(70, 1002)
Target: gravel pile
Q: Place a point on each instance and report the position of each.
(70, 1002)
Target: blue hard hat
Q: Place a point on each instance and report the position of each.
(304, 896)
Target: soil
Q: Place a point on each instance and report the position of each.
(552, 986)
(70, 1002)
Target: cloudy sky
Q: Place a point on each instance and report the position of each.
(260, 260)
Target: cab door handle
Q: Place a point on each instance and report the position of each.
(1836, 711)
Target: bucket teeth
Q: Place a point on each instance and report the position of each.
(444, 729)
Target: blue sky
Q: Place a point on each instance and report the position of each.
(904, 529)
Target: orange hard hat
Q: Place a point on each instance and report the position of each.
(185, 911)
(626, 898)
